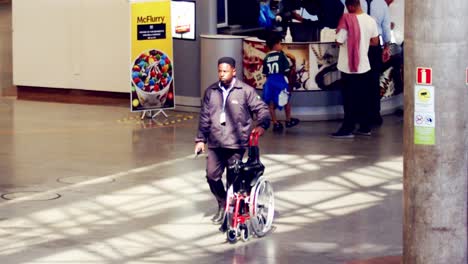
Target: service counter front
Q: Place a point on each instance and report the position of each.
(316, 94)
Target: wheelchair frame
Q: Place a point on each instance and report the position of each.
(250, 199)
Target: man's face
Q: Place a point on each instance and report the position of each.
(351, 9)
(226, 73)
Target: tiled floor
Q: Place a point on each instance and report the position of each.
(94, 184)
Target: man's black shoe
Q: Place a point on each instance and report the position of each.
(363, 132)
(223, 228)
(342, 134)
(218, 218)
(217, 188)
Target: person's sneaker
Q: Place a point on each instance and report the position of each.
(277, 127)
(342, 134)
(292, 122)
(363, 132)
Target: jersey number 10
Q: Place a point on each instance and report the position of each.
(273, 68)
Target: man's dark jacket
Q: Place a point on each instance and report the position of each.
(242, 104)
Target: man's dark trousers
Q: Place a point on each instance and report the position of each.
(375, 59)
(356, 104)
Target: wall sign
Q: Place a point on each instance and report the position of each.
(151, 31)
(424, 115)
(423, 76)
(423, 98)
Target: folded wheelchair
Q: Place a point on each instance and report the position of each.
(250, 202)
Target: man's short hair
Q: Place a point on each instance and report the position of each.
(227, 60)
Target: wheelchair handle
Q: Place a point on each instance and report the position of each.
(253, 140)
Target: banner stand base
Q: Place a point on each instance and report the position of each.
(149, 113)
(159, 112)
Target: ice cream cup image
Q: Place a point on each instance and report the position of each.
(152, 77)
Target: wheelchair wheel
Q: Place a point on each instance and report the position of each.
(261, 207)
(245, 233)
(230, 203)
(231, 235)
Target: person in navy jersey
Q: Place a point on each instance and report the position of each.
(276, 68)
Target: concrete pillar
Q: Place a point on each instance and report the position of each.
(435, 176)
(187, 62)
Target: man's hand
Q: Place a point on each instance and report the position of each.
(258, 130)
(199, 148)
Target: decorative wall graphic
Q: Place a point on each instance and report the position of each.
(316, 67)
(315, 64)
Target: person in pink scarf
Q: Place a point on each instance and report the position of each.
(355, 32)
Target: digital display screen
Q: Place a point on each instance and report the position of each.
(183, 19)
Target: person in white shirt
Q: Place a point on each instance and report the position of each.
(355, 32)
(397, 14)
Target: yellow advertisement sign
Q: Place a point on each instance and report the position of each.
(152, 72)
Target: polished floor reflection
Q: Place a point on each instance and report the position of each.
(95, 184)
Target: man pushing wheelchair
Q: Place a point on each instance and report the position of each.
(226, 122)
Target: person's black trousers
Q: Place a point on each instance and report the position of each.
(356, 94)
(375, 59)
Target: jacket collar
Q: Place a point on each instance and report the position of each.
(237, 84)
